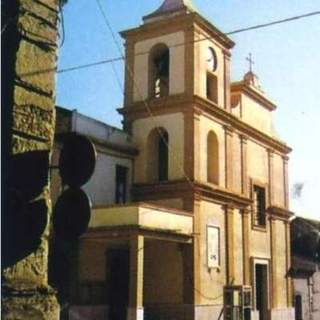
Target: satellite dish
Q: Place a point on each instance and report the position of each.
(77, 160)
(71, 214)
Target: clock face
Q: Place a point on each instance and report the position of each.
(211, 59)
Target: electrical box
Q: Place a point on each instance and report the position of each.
(237, 302)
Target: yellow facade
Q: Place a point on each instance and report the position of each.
(170, 273)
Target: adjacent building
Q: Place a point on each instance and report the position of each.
(204, 229)
(112, 178)
(305, 237)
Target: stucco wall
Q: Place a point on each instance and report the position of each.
(236, 164)
(257, 164)
(238, 248)
(256, 115)
(281, 264)
(260, 243)
(163, 273)
(102, 185)
(141, 64)
(278, 181)
(174, 125)
(211, 280)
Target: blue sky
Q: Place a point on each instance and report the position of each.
(287, 62)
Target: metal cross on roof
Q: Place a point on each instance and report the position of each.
(251, 62)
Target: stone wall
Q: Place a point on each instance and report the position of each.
(28, 99)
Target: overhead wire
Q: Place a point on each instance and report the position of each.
(114, 59)
(272, 23)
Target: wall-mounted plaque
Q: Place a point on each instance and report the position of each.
(213, 246)
(71, 214)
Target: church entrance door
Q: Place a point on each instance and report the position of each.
(262, 294)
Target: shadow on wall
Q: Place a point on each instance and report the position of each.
(25, 216)
(24, 175)
(62, 273)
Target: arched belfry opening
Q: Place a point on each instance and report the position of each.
(159, 71)
(158, 155)
(212, 79)
(212, 158)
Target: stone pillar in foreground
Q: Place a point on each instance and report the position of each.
(29, 41)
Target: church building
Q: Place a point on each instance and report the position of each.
(206, 234)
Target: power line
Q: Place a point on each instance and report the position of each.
(264, 25)
(69, 69)
(93, 64)
(110, 28)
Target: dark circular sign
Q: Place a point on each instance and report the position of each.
(77, 160)
(71, 214)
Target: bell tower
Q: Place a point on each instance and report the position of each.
(175, 60)
(215, 157)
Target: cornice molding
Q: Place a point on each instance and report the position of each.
(215, 32)
(152, 29)
(125, 232)
(241, 126)
(255, 95)
(178, 103)
(279, 213)
(222, 196)
(199, 190)
(174, 23)
(139, 109)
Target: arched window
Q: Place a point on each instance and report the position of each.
(159, 66)
(158, 155)
(212, 158)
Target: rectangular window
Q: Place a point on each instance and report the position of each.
(212, 87)
(121, 184)
(259, 202)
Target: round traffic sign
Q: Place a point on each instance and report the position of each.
(71, 214)
(77, 160)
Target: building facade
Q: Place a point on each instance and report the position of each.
(206, 234)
